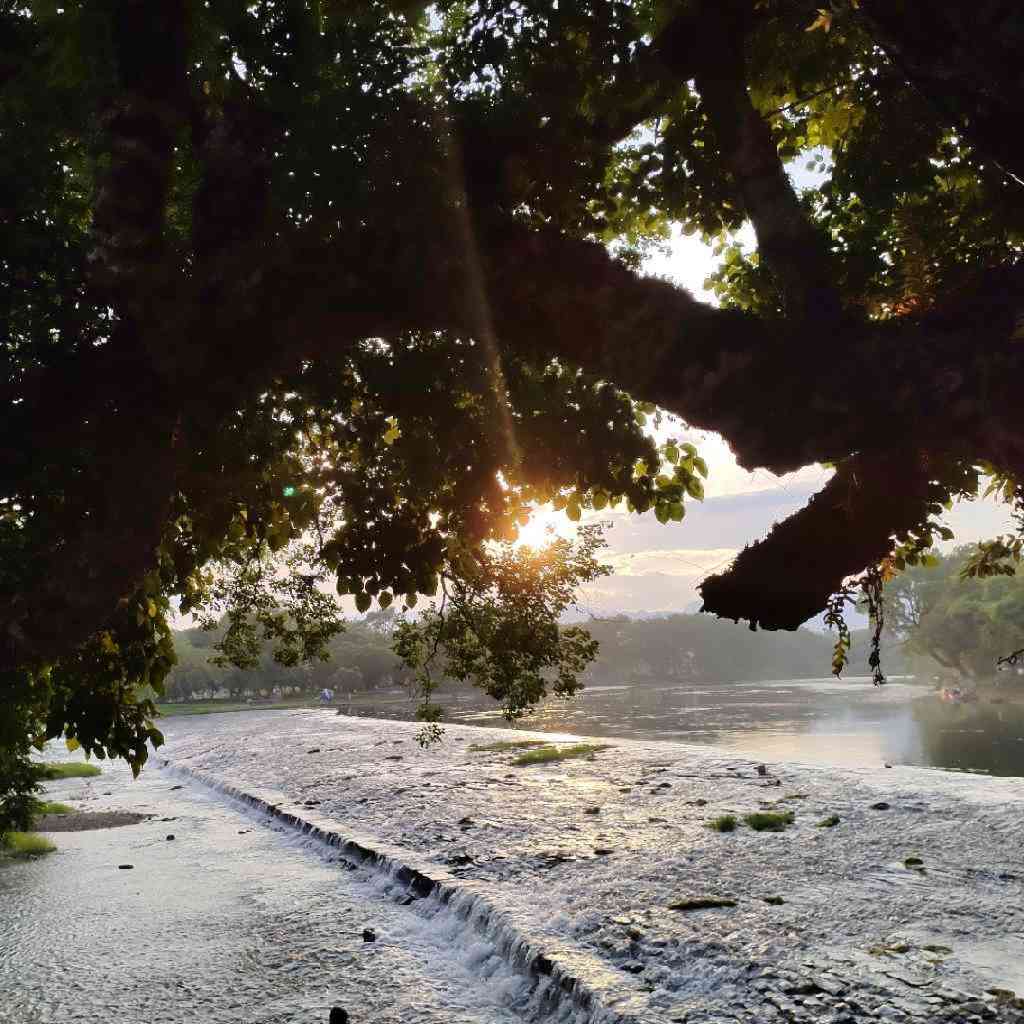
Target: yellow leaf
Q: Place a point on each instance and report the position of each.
(822, 21)
(72, 744)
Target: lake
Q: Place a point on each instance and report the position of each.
(846, 722)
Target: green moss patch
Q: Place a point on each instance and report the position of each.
(724, 823)
(774, 901)
(769, 821)
(830, 822)
(543, 755)
(26, 844)
(479, 748)
(69, 770)
(52, 807)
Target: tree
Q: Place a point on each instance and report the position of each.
(310, 289)
(964, 625)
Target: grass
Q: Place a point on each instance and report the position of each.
(830, 822)
(69, 770)
(769, 821)
(725, 823)
(26, 844)
(506, 745)
(542, 755)
(52, 807)
(702, 903)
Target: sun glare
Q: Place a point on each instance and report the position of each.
(544, 526)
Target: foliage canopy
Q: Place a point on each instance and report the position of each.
(309, 290)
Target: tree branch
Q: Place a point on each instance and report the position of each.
(708, 45)
(785, 579)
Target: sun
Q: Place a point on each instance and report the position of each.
(544, 526)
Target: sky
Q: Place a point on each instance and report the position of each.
(658, 567)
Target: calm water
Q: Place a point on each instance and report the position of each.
(847, 722)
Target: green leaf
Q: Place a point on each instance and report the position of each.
(384, 598)
(573, 511)
(695, 488)
(363, 602)
(672, 453)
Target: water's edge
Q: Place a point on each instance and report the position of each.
(557, 987)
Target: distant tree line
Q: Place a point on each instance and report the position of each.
(674, 648)
(698, 648)
(360, 658)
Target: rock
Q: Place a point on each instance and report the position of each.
(699, 802)
(338, 1015)
(466, 821)
(762, 770)
(600, 851)
(664, 785)
(633, 967)
(880, 806)
(591, 810)
(173, 788)
(170, 838)
(125, 867)
(625, 789)
(313, 750)
(830, 985)
(369, 935)
(460, 860)
(887, 765)
(393, 757)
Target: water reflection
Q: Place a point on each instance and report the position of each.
(847, 722)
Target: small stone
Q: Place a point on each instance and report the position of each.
(466, 821)
(625, 789)
(338, 1016)
(600, 851)
(125, 867)
(762, 770)
(369, 935)
(633, 967)
(170, 838)
(591, 810)
(173, 788)
(880, 806)
(313, 750)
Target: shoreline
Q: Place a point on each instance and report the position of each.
(613, 843)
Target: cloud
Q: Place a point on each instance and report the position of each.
(692, 563)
